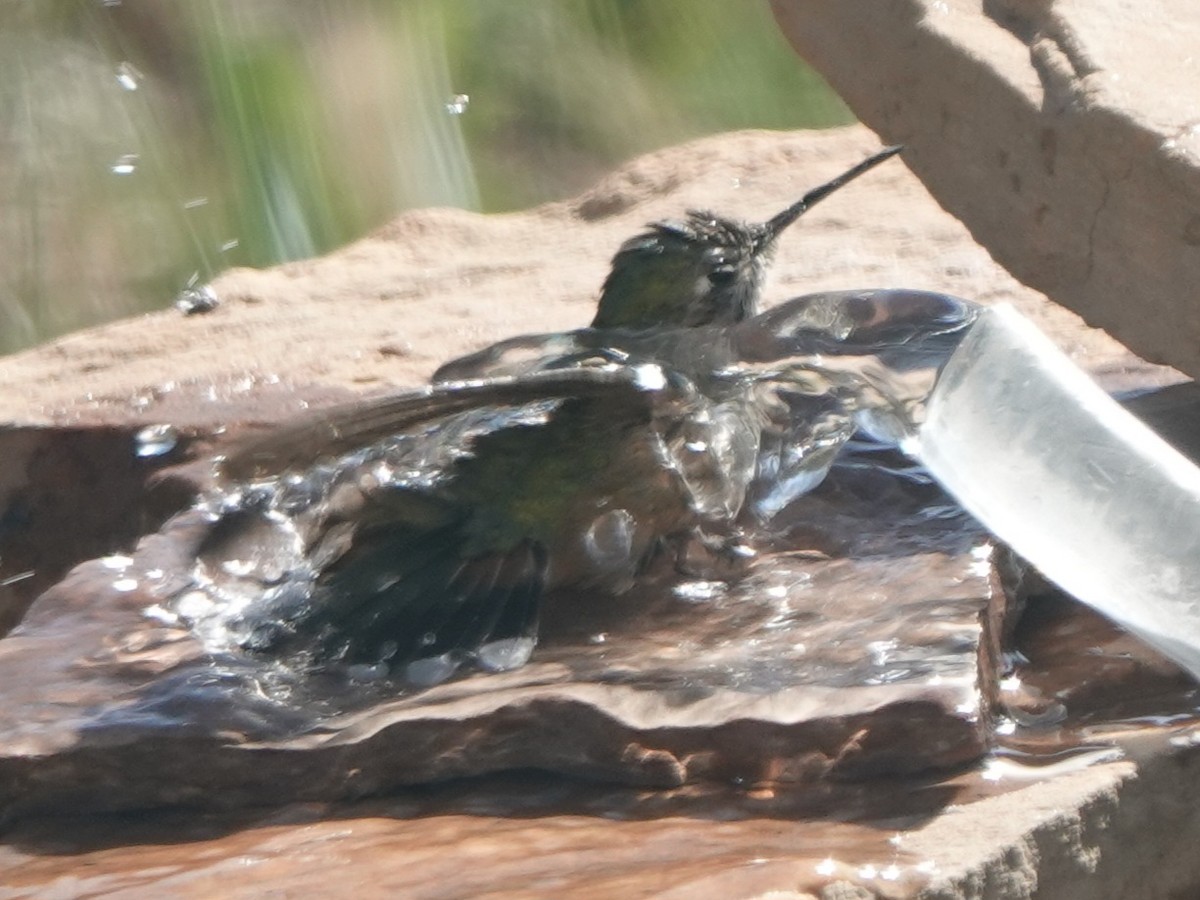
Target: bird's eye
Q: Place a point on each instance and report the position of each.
(722, 275)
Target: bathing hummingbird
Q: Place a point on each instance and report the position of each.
(512, 475)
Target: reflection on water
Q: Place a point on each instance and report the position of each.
(150, 145)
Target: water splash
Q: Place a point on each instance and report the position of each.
(749, 416)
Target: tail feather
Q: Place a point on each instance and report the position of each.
(405, 598)
(361, 606)
(500, 603)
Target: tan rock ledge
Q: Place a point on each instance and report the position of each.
(1064, 134)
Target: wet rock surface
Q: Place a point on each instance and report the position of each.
(1062, 807)
(842, 653)
(826, 747)
(105, 476)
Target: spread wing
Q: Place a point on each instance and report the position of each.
(340, 429)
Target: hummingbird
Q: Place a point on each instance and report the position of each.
(705, 269)
(542, 462)
(702, 270)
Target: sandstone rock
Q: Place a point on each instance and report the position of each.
(105, 707)
(1061, 133)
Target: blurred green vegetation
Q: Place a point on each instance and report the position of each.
(152, 143)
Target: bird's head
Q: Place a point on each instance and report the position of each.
(702, 270)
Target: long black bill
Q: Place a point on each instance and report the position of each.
(778, 223)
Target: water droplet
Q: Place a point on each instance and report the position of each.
(128, 76)
(609, 539)
(458, 104)
(231, 244)
(431, 671)
(195, 203)
(297, 492)
(155, 440)
(506, 654)
(125, 585)
(125, 164)
(890, 873)
(868, 872)
(826, 867)
(117, 563)
(13, 579)
(193, 300)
